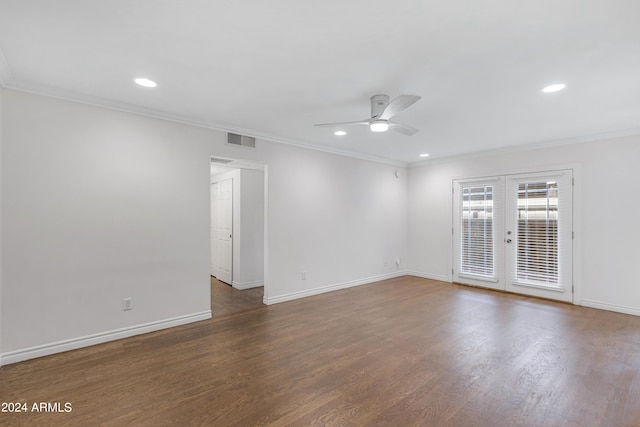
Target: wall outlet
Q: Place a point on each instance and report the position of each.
(303, 275)
(386, 263)
(398, 261)
(127, 304)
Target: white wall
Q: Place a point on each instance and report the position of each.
(251, 268)
(99, 205)
(336, 218)
(607, 181)
(1, 241)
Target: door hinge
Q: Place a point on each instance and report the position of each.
(452, 232)
(573, 181)
(573, 235)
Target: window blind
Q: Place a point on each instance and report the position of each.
(537, 233)
(477, 231)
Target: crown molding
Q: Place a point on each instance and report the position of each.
(95, 101)
(552, 143)
(5, 71)
(7, 81)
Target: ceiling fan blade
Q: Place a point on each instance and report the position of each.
(359, 122)
(403, 129)
(397, 105)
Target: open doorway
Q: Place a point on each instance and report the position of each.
(237, 236)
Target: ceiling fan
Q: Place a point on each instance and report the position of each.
(381, 112)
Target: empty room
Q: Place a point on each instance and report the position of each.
(332, 213)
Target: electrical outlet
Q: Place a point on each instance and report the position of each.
(386, 263)
(127, 304)
(303, 275)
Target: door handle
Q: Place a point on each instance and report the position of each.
(507, 240)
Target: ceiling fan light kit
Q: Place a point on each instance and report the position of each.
(379, 126)
(381, 112)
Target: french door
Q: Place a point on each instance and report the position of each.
(515, 233)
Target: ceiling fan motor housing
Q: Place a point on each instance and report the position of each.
(378, 104)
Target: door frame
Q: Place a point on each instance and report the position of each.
(235, 163)
(576, 218)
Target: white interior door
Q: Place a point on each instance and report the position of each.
(515, 233)
(222, 224)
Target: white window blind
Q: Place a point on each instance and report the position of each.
(477, 231)
(537, 233)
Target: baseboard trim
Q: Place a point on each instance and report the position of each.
(610, 307)
(429, 276)
(89, 340)
(330, 288)
(247, 285)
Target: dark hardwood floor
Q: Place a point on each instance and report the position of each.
(402, 352)
(225, 300)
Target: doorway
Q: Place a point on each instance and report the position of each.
(237, 235)
(515, 233)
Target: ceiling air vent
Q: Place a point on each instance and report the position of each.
(241, 140)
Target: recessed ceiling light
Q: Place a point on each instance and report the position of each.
(340, 133)
(554, 87)
(424, 155)
(144, 82)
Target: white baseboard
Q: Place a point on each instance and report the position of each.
(89, 340)
(429, 276)
(247, 285)
(321, 290)
(610, 307)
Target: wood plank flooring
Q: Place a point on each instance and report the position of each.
(226, 300)
(401, 352)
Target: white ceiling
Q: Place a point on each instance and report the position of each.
(274, 68)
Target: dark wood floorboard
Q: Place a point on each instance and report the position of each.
(401, 352)
(226, 300)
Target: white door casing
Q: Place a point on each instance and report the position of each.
(213, 227)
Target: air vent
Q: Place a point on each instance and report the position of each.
(241, 140)
(217, 160)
